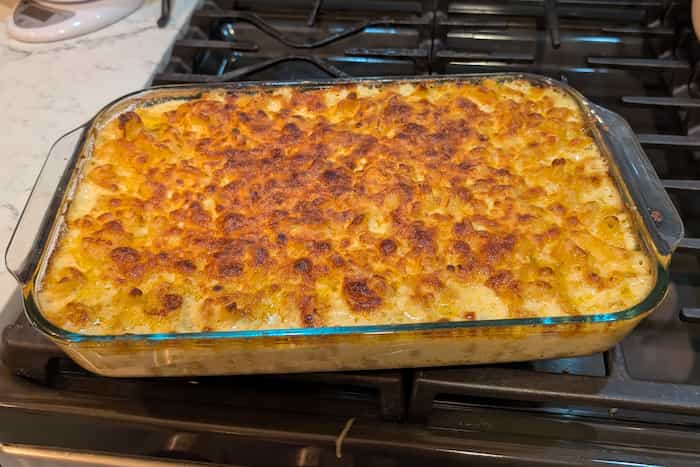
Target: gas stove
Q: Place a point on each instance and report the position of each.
(638, 404)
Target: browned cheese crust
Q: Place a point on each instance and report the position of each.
(353, 205)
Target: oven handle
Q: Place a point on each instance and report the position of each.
(34, 224)
(655, 207)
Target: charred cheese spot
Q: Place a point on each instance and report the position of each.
(310, 315)
(124, 255)
(261, 256)
(336, 181)
(185, 266)
(227, 269)
(303, 266)
(351, 205)
(388, 246)
(359, 295)
(172, 302)
(421, 238)
(232, 222)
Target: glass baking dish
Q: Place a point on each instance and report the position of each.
(658, 225)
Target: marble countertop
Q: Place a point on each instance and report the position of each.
(47, 90)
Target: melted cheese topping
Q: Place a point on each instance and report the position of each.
(352, 205)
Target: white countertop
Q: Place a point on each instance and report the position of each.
(49, 89)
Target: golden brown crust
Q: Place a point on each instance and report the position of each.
(352, 205)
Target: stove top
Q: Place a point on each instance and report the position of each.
(638, 404)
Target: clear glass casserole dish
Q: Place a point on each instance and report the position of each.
(658, 226)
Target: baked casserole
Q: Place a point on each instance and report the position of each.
(349, 205)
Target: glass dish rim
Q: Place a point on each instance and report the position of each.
(652, 299)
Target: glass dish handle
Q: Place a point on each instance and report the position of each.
(655, 206)
(34, 224)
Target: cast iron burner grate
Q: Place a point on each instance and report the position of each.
(302, 41)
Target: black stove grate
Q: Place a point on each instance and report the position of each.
(616, 393)
(302, 41)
